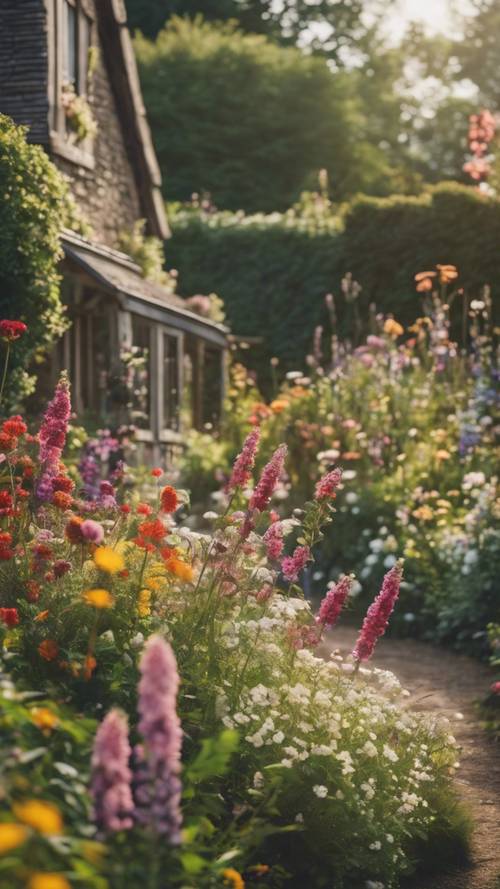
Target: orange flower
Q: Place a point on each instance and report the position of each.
(168, 499)
(351, 455)
(44, 719)
(48, 649)
(424, 286)
(393, 328)
(72, 530)
(447, 273)
(89, 666)
(42, 615)
(180, 568)
(421, 276)
(98, 598)
(279, 405)
(62, 500)
(233, 878)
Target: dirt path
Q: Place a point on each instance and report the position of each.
(450, 683)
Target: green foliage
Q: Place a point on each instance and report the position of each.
(276, 117)
(273, 271)
(33, 210)
(147, 251)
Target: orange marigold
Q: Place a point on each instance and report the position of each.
(62, 500)
(73, 531)
(48, 649)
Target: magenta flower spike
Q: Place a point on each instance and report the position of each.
(293, 565)
(158, 785)
(273, 539)
(111, 778)
(334, 601)
(266, 485)
(378, 614)
(328, 484)
(52, 437)
(245, 461)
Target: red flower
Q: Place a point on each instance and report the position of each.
(61, 567)
(5, 538)
(5, 502)
(125, 508)
(157, 472)
(62, 483)
(140, 541)
(73, 531)
(41, 551)
(9, 616)
(168, 499)
(14, 426)
(12, 330)
(6, 554)
(7, 442)
(154, 530)
(144, 509)
(32, 591)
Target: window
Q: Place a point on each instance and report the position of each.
(171, 382)
(76, 42)
(70, 44)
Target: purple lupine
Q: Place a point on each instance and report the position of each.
(52, 437)
(158, 785)
(328, 484)
(90, 472)
(111, 779)
(273, 539)
(264, 489)
(334, 601)
(245, 461)
(293, 565)
(378, 614)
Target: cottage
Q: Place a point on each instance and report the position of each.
(135, 351)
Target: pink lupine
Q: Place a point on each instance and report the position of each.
(92, 531)
(52, 437)
(378, 614)
(334, 601)
(293, 565)
(273, 539)
(111, 778)
(266, 485)
(328, 484)
(158, 784)
(245, 461)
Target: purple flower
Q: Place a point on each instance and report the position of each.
(244, 462)
(293, 565)
(271, 473)
(52, 437)
(158, 785)
(111, 777)
(92, 531)
(334, 601)
(378, 614)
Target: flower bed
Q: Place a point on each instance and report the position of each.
(227, 752)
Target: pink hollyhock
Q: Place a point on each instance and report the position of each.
(266, 485)
(334, 601)
(92, 531)
(378, 614)
(52, 437)
(273, 539)
(158, 785)
(327, 486)
(293, 565)
(245, 461)
(111, 778)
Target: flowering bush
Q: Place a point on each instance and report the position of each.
(228, 753)
(414, 422)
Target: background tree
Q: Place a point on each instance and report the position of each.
(252, 122)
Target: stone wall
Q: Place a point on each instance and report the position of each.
(107, 195)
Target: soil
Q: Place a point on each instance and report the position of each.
(452, 684)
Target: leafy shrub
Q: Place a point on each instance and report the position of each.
(276, 117)
(33, 209)
(330, 759)
(273, 271)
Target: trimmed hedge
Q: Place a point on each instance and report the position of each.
(274, 271)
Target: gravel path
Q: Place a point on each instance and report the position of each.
(451, 683)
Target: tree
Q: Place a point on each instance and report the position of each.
(252, 122)
(338, 29)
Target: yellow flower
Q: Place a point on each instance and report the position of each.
(393, 328)
(44, 718)
(48, 881)
(144, 603)
(108, 560)
(11, 836)
(40, 815)
(233, 878)
(98, 598)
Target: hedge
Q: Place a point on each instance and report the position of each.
(274, 271)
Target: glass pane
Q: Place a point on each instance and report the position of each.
(84, 46)
(70, 48)
(171, 395)
(212, 387)
(137, 372)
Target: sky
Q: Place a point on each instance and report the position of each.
(437, 15)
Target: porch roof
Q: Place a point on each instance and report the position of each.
(118, 274)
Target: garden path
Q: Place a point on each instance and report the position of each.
(451, 684)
